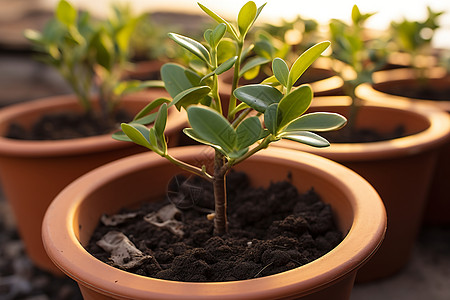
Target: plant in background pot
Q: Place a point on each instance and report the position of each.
(235, 141)
(423, 81)
(87, 54)
(400, 168)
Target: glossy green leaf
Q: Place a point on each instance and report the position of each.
(318, 121)
(306, 137)
(258, 96)
(304, 61)
(280, 71)
(208, 37)
(252, 63)
(294, 104)
(212, 127)
(121, 136)
(193, 135)
(138, 133)
(192, 46)
(190, 96)
(66, 13)
(226, 65)
(150, 107)
(271, 118)
(225, 50)
(218, 33)
(161, 120)
(219, 19)
(246, 17)
(175, 79)
(248, 132)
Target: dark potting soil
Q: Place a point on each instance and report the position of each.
(419, 91)
(67, 125)
(363, 135)
(270, 231)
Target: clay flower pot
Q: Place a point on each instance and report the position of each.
(74, 214)
(32, 173)
(399, 169)
(438, 205)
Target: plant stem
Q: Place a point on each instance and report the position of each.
(263, 145)
(220, 196)
(190, 168)
(237, 68)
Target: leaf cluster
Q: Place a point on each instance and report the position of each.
(92, 55)
(266, 112)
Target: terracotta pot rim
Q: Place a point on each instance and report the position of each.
(79, 146)
(368, 92)
(436, 134)
(366, 233)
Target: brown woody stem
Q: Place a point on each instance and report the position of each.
(220, 196)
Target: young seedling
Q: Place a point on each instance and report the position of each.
(357, 56)
(91, 55)
(239, 134)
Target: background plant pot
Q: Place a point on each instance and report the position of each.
(400, 170)
(32, 173)
(320, 76)
(438, 205)
(74, 214)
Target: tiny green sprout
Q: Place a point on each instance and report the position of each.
(91, 55)
(258, 114)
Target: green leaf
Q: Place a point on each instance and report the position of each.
(226, 65)
(318, 121)
(161, 120)
(306, 137)
(246, 17)
(271, 118)
(294, 104)
(193, 135)
(280, 70)
(150, 107)
(190, 96)
(192, 46)
(66, 13)
(253, 63)
(218, 33)
(219, 19)
(138, 133)
(258, 96)
(304, 61)
(175, 79)
(356, 14)
(212, 127)
(208, 37)
(121, 136)
(248, 132)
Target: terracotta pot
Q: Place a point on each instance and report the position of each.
(146, 70)
(438, 205)
(74, 214)
(400, 170)
(32, 173)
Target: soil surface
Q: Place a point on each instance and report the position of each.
(418, 90)
(67, 125)
(270, 231)
(362, 135)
